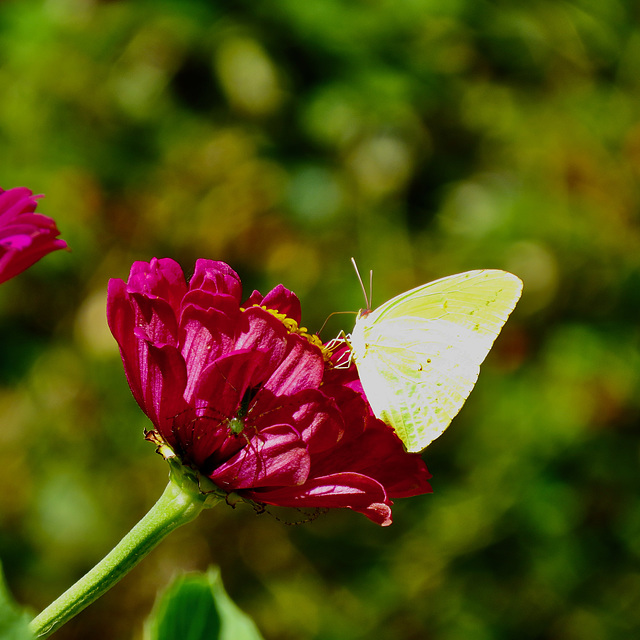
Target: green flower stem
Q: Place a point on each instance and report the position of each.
(180, 503)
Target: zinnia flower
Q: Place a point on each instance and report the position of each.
(242, 394)
(25, 236)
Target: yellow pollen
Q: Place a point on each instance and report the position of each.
(292, 327)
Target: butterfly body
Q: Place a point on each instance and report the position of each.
(419, 354)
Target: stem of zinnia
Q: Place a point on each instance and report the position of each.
(180, 503)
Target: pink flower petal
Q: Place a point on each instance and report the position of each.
(340, 490)
(216, 277)
(275, 456)
(301, 368)
(25, 236)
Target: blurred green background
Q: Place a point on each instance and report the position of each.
(424, 138)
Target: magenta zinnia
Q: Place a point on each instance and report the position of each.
(25, 236)
(242, 394)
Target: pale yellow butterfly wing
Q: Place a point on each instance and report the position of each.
(419, 354)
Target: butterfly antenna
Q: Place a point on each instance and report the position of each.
(364, 291)
(333, 313)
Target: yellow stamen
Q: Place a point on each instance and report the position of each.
(292, 327)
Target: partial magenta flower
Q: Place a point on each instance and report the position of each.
(246, 397)
(25, 236)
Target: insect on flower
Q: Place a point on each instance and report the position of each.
(244, 395)
(419, 354)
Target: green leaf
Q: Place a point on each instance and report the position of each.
(196, 607)
(14, 621)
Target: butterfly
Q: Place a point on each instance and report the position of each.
(418, 355)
